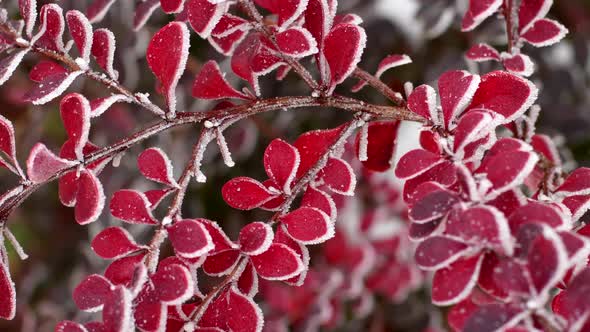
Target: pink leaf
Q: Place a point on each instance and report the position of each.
(456, 88)
(433, 206)
(51, 87)
(454, 283)
(117, 311)
(287, 10)
(81, 31)
(505, 94)
(103, 50)
(478, 11)
(132, 206)
(437, 252)
(42, 164)
(416, 162)
(210, 83)
(44, 69)
(89, 198)
(143, 12)
(245, 193)
(172, 6)
(113, 243)
(52, 28)
(381, 142)
(75, 115)
(255, 238)
(167, 54)
(343, 48)
(279, 262)
(98, 9)
(8, 298)
(482, 52)
(155, 165)
(519, 64)
(203, 15)
(28, 11)
(190, 238)
(297, 42)
(281, 161)
(422, 101)
(92, 292)
(318, 199)
(544, 32)
(174, 284)
(338, 175)
(308, 225)
(9, 64)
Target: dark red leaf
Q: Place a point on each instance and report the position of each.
(343, 48)
(255, 238)
(245, 193)
(155, 165)
(190, 238)
(211, 84)
(308, 225)
(92, 292)
(132, 206)
(113, 243)
(281, 161)
(454, 283)
(8, 298)
(279, 262)
(81, 31)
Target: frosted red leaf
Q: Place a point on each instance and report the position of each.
(7, 141)
(577, 183)
(308, 225)
(101, 105)
(221, 262)
(433, 206)
(44, 69)
(544, 32)
(95, 327)
(571, 303)
(482, 52)
(245, 193)
(416, 162)
(255, 238)
(232, 311)
(279, 262)
(287, 10)
(174, 284)
(172, 6)
(229, 24)
(28, 11)
(439, 251)
(113, 243)
(578, 205)
(8, 299)
(98, 9)
(422, 101)
(50, 35)
(456, 88)
(143, 12)
(281, 161)
(539, 213)
(482, 226)
(43, 164)
(210, 83)
(51, 87)
(123, 270)
(546, 261)
(338, 175)
(508, 171)
(89, 198)
(519, 64)
(248, 281)
(132, 206)
(318, 21)
(203, 15)
(167, 54)
(478, 11)
(220, 239)
(343, 48)
(311, 146)
(149, 312)
(297, 42)
(492, 317)
(81, 31)
(190, 238)
(69, 326)
(348, 18)
(318, 199)
(155, 165)
(103, 50)
(75, 115)
(454, 283)
(505, 94)
(544, 145)
(532, 10)
(471, 127)
(380, 145)
(389, 62)
(91, 294)
(117, 311)
(227, 45)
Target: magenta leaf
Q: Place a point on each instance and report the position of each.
(44, 69)
(456, 89)
(190, 238)
(478, 11)
(28, 11)
(75, 115)
(437, 252)
(113, 243)
(297, 42)
(174, 284)
(132, 206)
(210, 83)
(51, 87)
(338, 175)
(203, 15)
(454, 283)
(167, 54)
(544, 32)
(42, 164)
(279, 262)
(89, 198)
(255, 238)
(482, 52)
(343, 48)
(245, 193)
(103, 50)
(50, 35)
(117, 311)
(91, 294)
(81, 31)
(8, 298)
(98, 9)
(155, 165)
(422, 101)
(281, 161)
(308, 225)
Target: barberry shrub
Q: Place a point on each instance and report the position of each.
(487, 215)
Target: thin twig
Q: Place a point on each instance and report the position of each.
(376, 83)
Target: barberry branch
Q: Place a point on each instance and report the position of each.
(376, 83)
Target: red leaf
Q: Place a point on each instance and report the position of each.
(9, 64)
(8, 298)
(52, 28)
(155, 165)
(318, 199)
(492, 317)
(75, 115)
(44, 69)
(245, 193)
(28, 11)
(42, 164)
(546, 261)
(454, 283)
(433, 206)
(143, 12)
(91, 294)
(203, 15)
(123, 270)
(338, 175)
(473, 126)
(7, 141)
(117, 311)
(167, 54)
(69, 326)
(478, 11)
(456, 88)
(297, 42)
(174, 284)
(279, 262)
(308, 225)
(89, 198)
(132, 206)
(538, 212)
(232, 311)
(248, 281)
(281, 161)
(544, 145)
(519, 64)
(98, 9)
(312, 145)
(220, 239)
(505, 94)
(190, 238)
(221, 262)
(343, 48)
(544, 32)
(210, 83)
(101, 105)
(287, 10)
(51, 87)
(113, 243)
(438, 252)
(227, 45)
(482, 52)
(149, 313)
(422, 101)
(255, 238)
(81, 31)
(530, 11)
(172, 6)
(416, 162)
(392, 61)
(103, 50)
(228, 24)
(508, 171)
(577, 183)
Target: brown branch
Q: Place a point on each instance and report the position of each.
(376, 83)
(511, 8)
